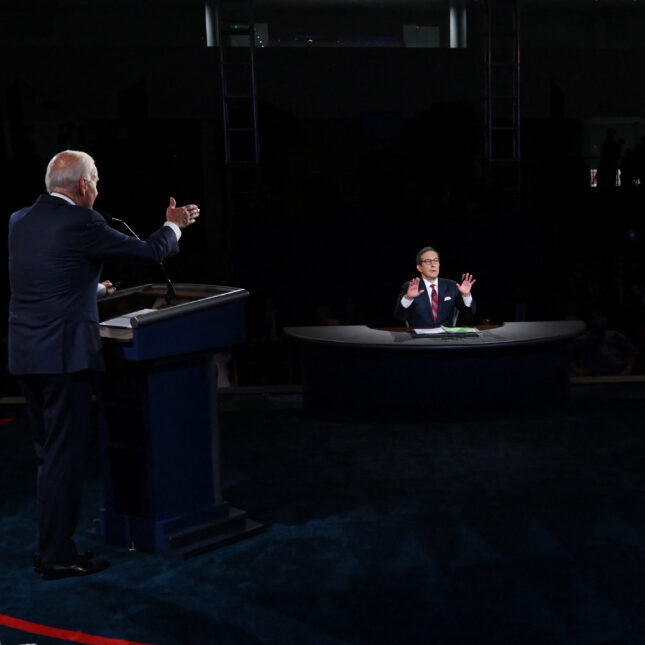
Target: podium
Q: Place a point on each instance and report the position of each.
(161, 453)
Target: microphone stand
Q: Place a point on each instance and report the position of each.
(170, 290)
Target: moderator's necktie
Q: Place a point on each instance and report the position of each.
(435, 303)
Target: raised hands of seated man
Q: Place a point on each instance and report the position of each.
(467, 282)
(182, 216)
(413, 289)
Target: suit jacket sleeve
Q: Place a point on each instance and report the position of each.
(104, 244)
(466, 314)
(55, 256)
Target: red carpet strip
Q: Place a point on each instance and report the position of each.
(62, 634)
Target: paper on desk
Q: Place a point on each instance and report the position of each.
(446, 330)
(125, 320)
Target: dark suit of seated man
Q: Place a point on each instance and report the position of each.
(56, 247)
(436, 304)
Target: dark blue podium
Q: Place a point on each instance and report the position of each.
(161, 441)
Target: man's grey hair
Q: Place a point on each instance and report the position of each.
(64, 172)
(425, 249)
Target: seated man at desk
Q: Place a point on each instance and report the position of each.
(434, 305)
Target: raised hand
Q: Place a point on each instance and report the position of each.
(413, 289)
(467, 282)
(183, 216)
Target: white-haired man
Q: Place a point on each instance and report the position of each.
(56, 248)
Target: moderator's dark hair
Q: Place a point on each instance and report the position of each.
(425, 249)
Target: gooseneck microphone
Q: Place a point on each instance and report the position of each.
(170, 290)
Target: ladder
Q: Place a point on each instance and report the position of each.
(502, 98)
(235, 38)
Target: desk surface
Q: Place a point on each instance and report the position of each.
(510, 333)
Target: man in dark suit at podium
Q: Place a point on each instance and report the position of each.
(56, 247)
(434, 301)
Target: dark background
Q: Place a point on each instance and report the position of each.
(368, 153)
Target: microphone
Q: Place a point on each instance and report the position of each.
(170, 291)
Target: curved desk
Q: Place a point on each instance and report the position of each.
(358, 368)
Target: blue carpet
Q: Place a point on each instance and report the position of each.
(504, 530)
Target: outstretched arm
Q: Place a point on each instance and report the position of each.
(183, 216)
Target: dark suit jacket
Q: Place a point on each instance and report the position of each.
(419, 313)
(55, 255)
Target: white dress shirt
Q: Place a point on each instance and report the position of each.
(406, 302)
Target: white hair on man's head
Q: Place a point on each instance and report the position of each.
(66, 168)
